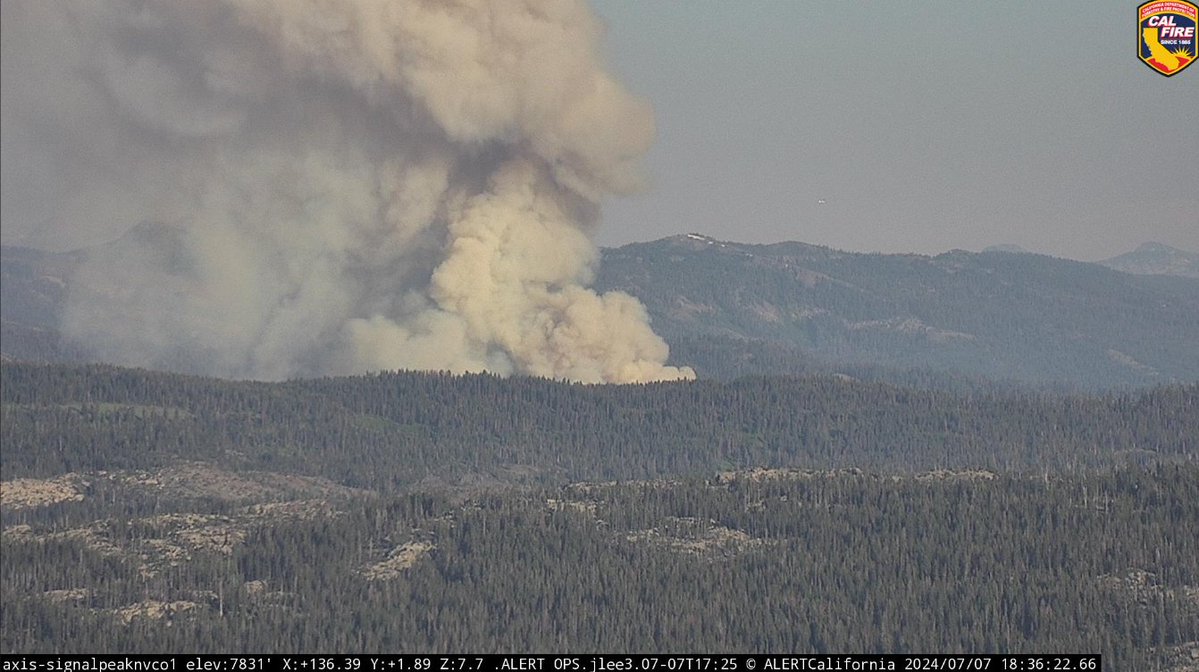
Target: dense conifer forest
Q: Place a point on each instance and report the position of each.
(147, 511)
(391, 430)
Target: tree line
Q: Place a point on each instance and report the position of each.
(391, 430)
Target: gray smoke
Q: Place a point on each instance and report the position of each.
(327, 186)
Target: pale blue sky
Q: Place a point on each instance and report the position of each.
(924, 126)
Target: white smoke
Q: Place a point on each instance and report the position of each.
(327, 186)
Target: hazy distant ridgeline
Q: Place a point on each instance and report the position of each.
(729, 309)
(1156, 259)
(1020, 317)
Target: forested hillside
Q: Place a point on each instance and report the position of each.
(755, 561)
(314, 348)
(395, 429)
(147, 511)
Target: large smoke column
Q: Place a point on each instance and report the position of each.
(327, 186)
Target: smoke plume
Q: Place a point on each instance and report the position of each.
(327, 186)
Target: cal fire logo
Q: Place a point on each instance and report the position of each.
(1167, 35)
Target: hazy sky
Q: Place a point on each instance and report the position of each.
(924, 126)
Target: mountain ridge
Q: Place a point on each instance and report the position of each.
(1156, 259)
(1027, 317)
(732, 309)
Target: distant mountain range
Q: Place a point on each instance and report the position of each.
(1007, 247)
(1156, 259)
(733, 309)
(1148, 259)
